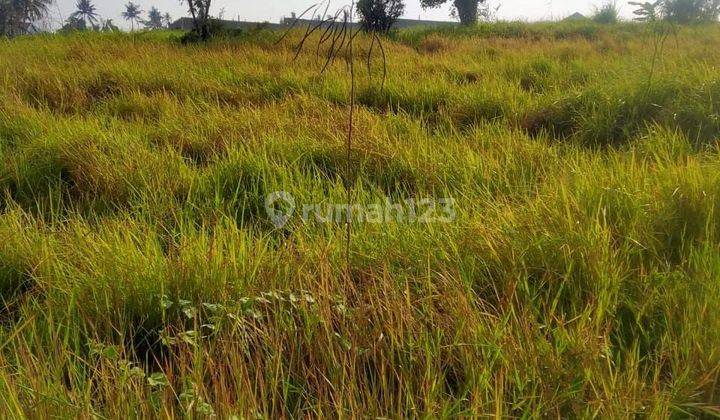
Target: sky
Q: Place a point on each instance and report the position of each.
(274, 10)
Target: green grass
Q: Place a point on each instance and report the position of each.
(141, 277)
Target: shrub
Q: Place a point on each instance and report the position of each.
(607, 13)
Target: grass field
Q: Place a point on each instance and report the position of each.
(141, 276)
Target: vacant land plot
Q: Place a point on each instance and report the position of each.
(579, 275)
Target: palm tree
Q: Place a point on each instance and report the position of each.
(33, 10)
(86, 12)
(155, 19)
(7, 18)
(200, 12)
(167, 19)
(132, 13)
(17, 16)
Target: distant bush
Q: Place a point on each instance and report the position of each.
(607, 13)
(216, 31)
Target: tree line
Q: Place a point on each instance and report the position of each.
(20, 16)
(678, 11)
(86, 17)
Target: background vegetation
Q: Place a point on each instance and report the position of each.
(139, 273)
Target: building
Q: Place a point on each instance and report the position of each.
(577, 16)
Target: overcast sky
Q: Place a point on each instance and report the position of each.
(274, 10)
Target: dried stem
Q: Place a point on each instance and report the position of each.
(348, 174)
(339, 37)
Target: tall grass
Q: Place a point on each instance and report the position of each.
(141, 277)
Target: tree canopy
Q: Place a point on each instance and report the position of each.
(132, 13)
(379, 15)
(690, 11)
(200, 13)
(85, 12)
(155, 19)
(465, 10)
(678, 11)
(18, 16)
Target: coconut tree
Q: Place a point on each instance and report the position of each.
(132, 13)
(33, 10)
(5, 17)
(85, 12)
(167, 19)
(200, 12)
(8, 18)
(379, 15)
(17, 16)
(155, 19)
